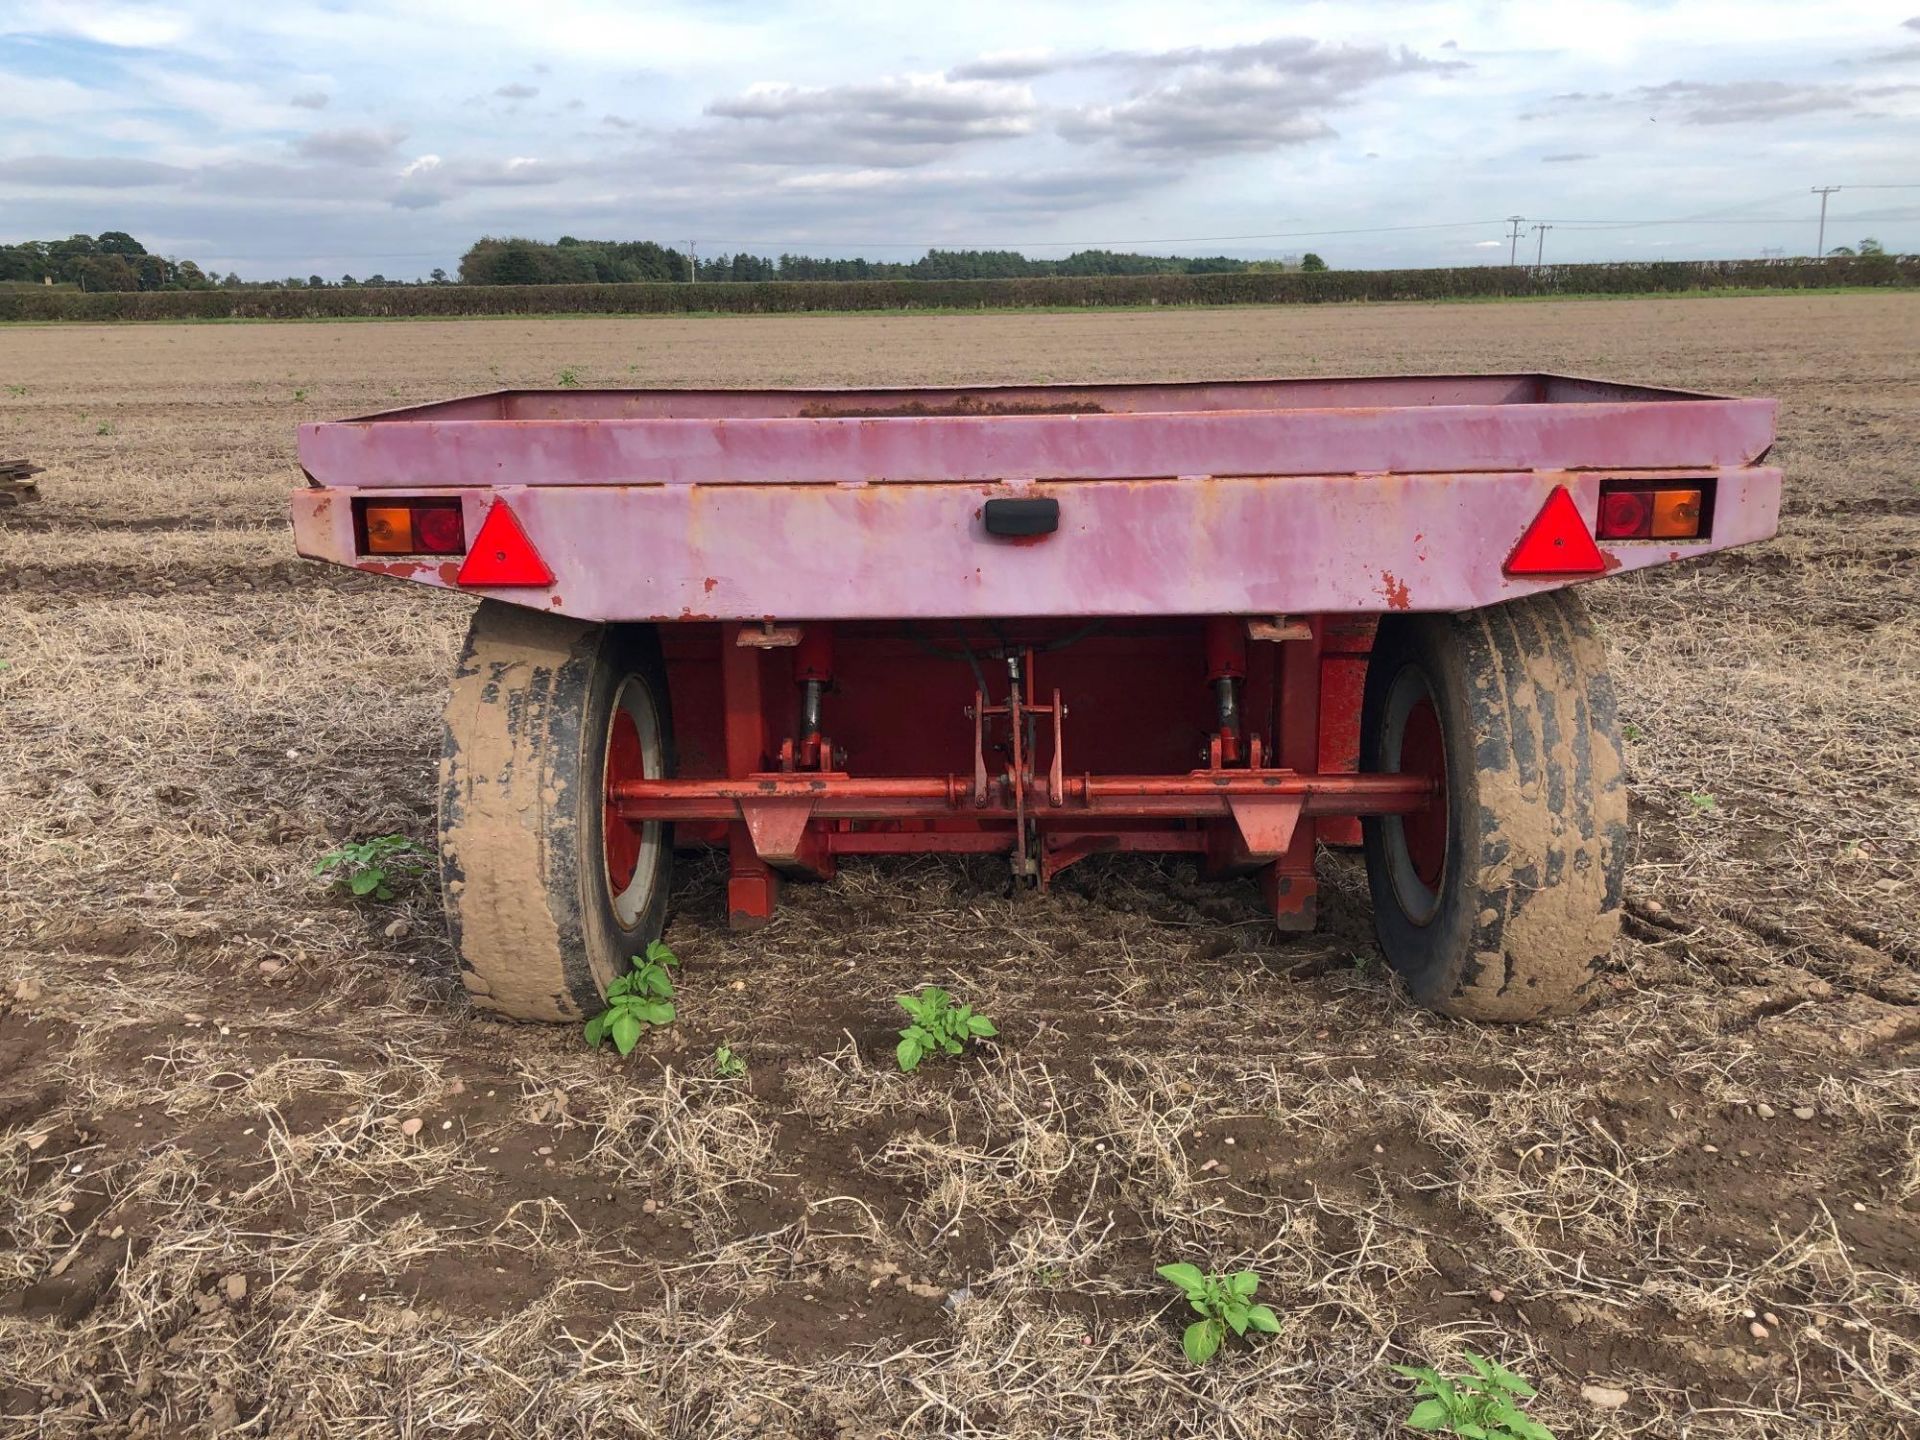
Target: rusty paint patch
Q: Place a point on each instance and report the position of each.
(1395, 590)
(402, 569)
(710, 584)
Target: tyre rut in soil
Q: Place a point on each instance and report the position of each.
(1527, 904)
(522, 817)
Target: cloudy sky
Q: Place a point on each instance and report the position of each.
(291, 136)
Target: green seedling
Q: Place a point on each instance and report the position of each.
(640, 998)
(106, 428)
(1224, 1302)
(373, 869)
(1632, 731)
(1702, 800)
(726, 1064)
(299, 397)
(17, 391)
(938, 1026)
(1482, 1406)
(570, 377)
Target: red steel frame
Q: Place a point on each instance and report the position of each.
(837, 615)
(788, 803)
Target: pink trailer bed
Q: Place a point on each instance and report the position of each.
(811, 624)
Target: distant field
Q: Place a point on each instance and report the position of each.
(212, 1215)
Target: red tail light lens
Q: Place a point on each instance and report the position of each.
(438, 530)
(409, 527)
(1626, 515)
(1650, 510)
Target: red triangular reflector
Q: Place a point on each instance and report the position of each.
(502, 554)
(1557, 542)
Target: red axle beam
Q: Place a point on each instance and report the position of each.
(1203, 794)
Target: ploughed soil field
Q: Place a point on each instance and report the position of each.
(263, 1171)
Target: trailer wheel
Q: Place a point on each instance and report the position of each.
(548, 892)
(1501, 900)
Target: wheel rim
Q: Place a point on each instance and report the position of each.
(631, 848)
(1412, 743)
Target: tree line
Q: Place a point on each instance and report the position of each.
(114, 261)
(569, 261)
(111, 260)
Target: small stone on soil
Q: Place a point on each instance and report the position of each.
(1604, 1397)
(1497, 1296)
(1771, 1318)
(272, 967)
(398, 929)
(1803, 1112)
(412, 1126)
(236, 1288)
(1758, 1331)
(1765, 1111)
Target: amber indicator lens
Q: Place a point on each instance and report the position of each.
(1652, 510)
(389, 530)
(409, 527)
(1676, 514)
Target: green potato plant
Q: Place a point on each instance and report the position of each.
(1224, 1302)
(938, 1026)
(376, 869)
(640, 998)
(1484, 1405)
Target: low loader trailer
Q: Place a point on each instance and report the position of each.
(1231, 620)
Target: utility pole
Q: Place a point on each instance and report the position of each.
(1823, 191)
(693, 264)
(1513, 247)
(1540, 244)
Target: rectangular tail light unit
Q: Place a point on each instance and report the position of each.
(1655, 509)
(409, 527)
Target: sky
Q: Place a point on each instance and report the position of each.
(291, 137)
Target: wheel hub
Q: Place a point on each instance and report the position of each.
(633, 753)
(1414, 744)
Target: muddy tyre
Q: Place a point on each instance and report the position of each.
(547, 892)
(1502, 900)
